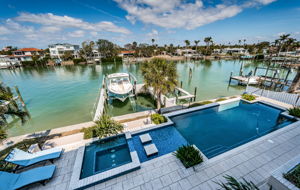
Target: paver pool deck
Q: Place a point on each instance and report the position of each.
(253, 161)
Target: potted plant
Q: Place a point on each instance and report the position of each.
(189, 156)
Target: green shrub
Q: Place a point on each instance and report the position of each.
(295, 111)
(294, 176)
(77, 61)
(200, 104)
(220, 99)
(158, 119)
(89, 132)
(3, 134)
(248, 97)
(188, 155)
(233, 184)
(104, 127)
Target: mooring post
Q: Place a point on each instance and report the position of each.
(180, 84)
(230, 78)
(255, 71)
(241, 68)
(134, 87)
(195, 93)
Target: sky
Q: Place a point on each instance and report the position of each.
(37, 23)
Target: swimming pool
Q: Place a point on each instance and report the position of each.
(221, 128)
(166, 139)
(104, 155)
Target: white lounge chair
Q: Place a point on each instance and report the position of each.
(22, 158)
(11, 181)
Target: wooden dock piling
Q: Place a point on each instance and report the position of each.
(195, 93)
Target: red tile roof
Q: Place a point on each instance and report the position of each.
(127, 52)
(29, 49)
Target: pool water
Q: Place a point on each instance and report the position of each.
(166, 139)
(222, 128)
(104, 155)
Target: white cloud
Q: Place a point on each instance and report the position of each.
(3, 30)
(153, 33)
(50, 29)
(93, 33)
(182, 14)
(77, 34)
(50, 19)
(265, 2)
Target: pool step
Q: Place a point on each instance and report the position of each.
(210, 152)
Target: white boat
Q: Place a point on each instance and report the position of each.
(119, 86)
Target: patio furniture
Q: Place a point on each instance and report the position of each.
(22, 158)
(11, 181)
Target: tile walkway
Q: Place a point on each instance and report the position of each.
(253, 161)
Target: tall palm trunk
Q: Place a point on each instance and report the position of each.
(296, 82)
(158, 102)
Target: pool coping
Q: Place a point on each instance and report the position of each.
(278, 181)
(77, 183)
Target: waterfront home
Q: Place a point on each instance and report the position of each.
(126, 53)
(58, 50)
(25, 54)
(7, 61)
(185, 52)
(235, 51)
(6, 48)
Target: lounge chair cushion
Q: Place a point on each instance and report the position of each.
(150, 149)
(145, 138)
(19, 157)
(15, 181)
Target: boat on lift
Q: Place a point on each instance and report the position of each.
(120, 86)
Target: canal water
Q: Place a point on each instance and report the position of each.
(60, 96)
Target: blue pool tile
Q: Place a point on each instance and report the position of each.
(166, 139)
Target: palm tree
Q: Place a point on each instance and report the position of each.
(187, 43)
(152, 40)
(207, 40)
(161, 76)
(240, 41)
(282, 39)
(8, 107)
(196, 43)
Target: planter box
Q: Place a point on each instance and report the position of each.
(278, 182)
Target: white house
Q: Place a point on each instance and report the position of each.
(57, 50)
(7, 61)
(186, 52)
(235, 51)
(25, 54)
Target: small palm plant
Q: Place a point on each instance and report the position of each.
(295, 111)
(233, 184)
(106, 126)
(189, 155)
